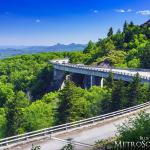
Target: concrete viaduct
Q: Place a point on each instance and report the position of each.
(94, 75)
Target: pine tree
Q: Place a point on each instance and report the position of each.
(118, 96)
(125, 26)
(135, 91)
(110, 80)
(145, 57)
(118, 31)
(148, 93)
(131, 24)
(89, 47)
(72, 105)
(110, 32)
(14, 114)
(14, 119)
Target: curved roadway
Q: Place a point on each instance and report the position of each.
(124, 74)
(85, 136)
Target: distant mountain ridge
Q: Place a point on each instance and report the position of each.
(7, 51)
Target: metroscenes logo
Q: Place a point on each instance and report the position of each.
(142, 144)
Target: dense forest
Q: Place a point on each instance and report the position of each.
(126, 48)
(28, 102)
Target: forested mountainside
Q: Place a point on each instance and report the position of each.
(127, 48)
(28, 103)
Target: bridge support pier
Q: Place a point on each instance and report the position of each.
(58, 79)
(102, 82)
(90, 81)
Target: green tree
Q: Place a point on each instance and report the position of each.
(135, 91)
(14, 116)
(97, 96)
(38, 115)
(21, 99)
(72, 106)
(106, 46)
(89, 47)
(6, 93)
(135, 128)
(2, 123)
(68, 147)
(145, 57)
(106, 104)
(125, 26)
(110, 32)
(118, 96)
(51, 98)
(110, 80)
(118, 31)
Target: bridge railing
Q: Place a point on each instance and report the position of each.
(103, 70)
(73, 125)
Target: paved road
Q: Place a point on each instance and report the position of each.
(103, 72)
(141, 73)
(145, 73)
(86, 135)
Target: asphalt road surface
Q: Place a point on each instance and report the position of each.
(86, 136)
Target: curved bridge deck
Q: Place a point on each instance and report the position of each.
(124, 74)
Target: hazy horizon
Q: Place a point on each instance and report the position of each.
(41, 45)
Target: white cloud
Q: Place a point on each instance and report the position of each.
(95, 11)
(123, 10)
(144, 12)
(37, 20)
(129, 10)
(120, 10)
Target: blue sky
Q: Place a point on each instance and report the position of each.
(47, 22)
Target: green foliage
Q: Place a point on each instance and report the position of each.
(72, 105)
(6, 93)
(116, 58)
(79, 57)
(118, 96)
(21, 99)
(106, 46)
(22, 71)
(43, 78)
(2, 123)
(50, 98)
(14, 114)
(135, 128)
(110, 80)
(134, 63)
(37, 116)
(26, 100)
(125, 95)
(123, 49)
(145, 57)
(135, 92)
(110, 32)
(76, 103)
(97, 98)
(68, 147)
(14, 117)
(89, 47)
